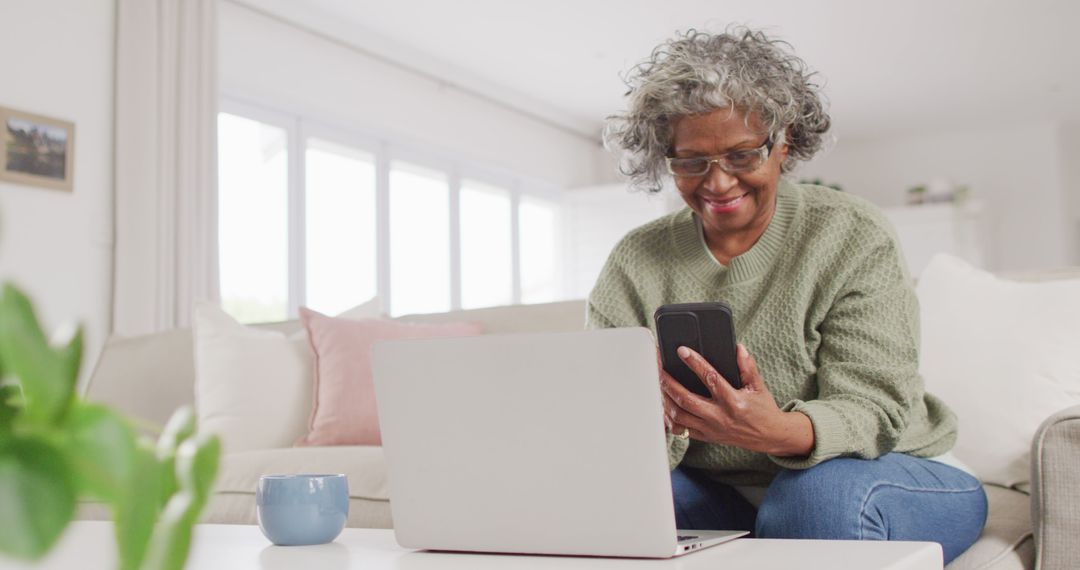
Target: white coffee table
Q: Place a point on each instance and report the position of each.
(90, 545)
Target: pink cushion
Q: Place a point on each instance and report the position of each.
(344, 399)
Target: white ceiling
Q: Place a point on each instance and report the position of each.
(888, 67)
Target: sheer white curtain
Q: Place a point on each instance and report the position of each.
(166, 199)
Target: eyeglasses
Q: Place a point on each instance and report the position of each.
(730, 162)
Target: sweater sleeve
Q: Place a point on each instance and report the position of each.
(614, 303)
(867, 361)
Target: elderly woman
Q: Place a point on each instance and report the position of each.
(832, 435)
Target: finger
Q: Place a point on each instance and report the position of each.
(667, 380)
(748, 369)
(679, 394)
(668, 412)
(680, 400)
(692, 425)
(672, 426)
(677, 417)
(696, 434)
(672, 410)
(665, 376)
(678, 431)
(660, 364)
(717, 385)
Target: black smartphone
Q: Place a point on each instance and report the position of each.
(707, 328)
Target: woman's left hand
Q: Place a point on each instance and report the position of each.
(748, 418)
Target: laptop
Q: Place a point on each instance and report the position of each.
(549, 443)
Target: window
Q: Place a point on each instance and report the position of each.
(487, 276)
(311, 216)
(339, 218)
(541, 279)
(252, 218)
(419, 240)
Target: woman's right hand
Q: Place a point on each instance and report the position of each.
(669, 404)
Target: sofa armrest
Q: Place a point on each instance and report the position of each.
(1055, 490)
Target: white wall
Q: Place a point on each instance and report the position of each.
(278, 65)
(57, 246)
(1069, 159)
(596, 218)
(1016, 171)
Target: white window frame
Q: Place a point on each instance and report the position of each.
(386, 149)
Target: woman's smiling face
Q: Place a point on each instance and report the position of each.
(735, 208)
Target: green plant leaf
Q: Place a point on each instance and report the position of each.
(102, 451)
(8, 409)
(47, 377)
(135, 512)
(70, 356)
(197, 462)
(37, 499)
(172, 537)
(180, 427)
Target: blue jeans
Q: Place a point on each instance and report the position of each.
(894, 497)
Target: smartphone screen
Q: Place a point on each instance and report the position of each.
(708, 329)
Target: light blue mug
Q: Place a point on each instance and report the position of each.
(295, 510)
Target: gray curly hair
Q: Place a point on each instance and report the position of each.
(697, 72)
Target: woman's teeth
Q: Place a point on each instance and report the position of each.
(724, 203)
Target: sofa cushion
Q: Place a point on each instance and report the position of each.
(147, 377)
(1006, 542)
(344, 408)
(253, 386)
(1003, 355)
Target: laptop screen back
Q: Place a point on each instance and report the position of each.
(531, 443)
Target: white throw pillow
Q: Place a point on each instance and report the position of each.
(1004, 355)
(253, 386)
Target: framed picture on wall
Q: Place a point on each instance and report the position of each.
(36, 150)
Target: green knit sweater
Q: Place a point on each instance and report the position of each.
(824, 303)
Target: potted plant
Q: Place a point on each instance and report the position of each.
(916, 195)
(56, 448)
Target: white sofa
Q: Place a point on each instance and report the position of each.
(148, 377)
